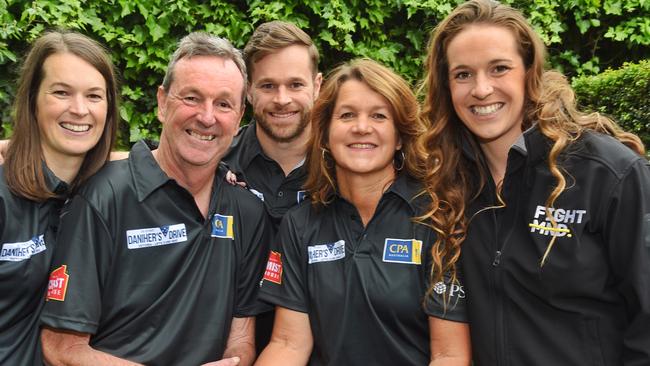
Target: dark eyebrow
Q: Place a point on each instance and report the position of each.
(491, 62)
(65, 85)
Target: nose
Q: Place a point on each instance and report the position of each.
(78, 105)
(282, 96)
(206, 115)
(362, 125)
(483, 87)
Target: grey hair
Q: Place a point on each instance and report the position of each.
(204, 44)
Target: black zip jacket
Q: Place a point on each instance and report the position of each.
(589, 304)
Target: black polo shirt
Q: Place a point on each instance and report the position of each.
(27, 231)
(142, 271)
(362, 288)
(263, 176)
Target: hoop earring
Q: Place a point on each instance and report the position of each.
(325, 163)
(399, 160)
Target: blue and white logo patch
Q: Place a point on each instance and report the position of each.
(16, 252)
(156, 236)
(407, 251)
(222, 226)
(326, 252)
(257, 193)
(300, 196)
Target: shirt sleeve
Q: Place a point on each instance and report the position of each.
(284, 282)
(447, 299)
(79, 268)
(256, 235)
(626, 230)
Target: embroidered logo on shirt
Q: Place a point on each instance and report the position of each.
(542, 225)
(156, 236)
(58, 284)
(300, 196)
(407, 251)
(222, 226)
(16, 252)
(273, 270)
(257, 193)
(454, 289)
(326, 252)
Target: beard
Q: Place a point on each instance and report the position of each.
(286, 133)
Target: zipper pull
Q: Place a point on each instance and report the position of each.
(497, 258)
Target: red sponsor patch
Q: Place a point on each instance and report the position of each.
(273, 270)
(58, 284)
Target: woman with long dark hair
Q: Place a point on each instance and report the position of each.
(65, 119)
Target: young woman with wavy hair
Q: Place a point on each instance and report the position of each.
(551, 204)
(65, 118)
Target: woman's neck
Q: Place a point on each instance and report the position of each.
(365, 190)
(65, 167)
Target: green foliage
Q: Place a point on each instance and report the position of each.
(583, 36)
(622, 94)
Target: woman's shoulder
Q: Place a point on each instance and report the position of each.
(604, 149)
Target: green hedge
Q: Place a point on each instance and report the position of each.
(623, 94)
(584, 36)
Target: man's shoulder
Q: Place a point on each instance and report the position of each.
(240, 147)
(112, 181)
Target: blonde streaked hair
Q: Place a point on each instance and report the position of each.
(549, 102)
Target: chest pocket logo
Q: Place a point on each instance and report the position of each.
(222, 226)
(326, 252)
(16, 252)
(408, 251)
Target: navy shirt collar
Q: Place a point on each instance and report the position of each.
(251, 147)
(54, 184)
(147, 175)
(405, 188)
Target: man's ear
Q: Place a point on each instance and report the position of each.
(249, 95)
(161, 96)
(318, 80)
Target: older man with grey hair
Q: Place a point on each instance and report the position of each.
(153, 264)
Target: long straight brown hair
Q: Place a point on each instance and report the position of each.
(23, 164)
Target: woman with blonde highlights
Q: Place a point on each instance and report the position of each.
(65, 118)
(552, 205)
(350, 270)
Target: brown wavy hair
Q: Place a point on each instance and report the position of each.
(549, 102)
(23, 164)
(321, 179)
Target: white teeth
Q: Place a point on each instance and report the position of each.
(362, 146)
(202, 137)
(283, 115)
(75, 128)
(483, 110)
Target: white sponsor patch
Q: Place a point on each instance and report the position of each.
(156, 236)
(16, 252)
(326, 252)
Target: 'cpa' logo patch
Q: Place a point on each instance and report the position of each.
(58, 284)
(407, 251)
(273, 270)
(222, 226)
(16, 252)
